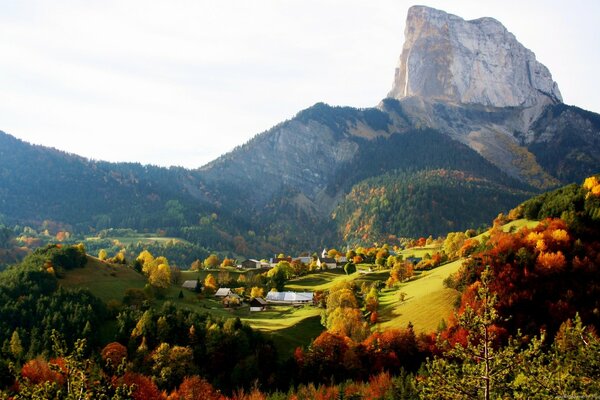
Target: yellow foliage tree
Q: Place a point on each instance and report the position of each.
(593, 186)
(257, 292)
(160, 276)
(145, 257)
(210, 282)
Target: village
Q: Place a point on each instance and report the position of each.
(232, 298)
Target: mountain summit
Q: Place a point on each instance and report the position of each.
(474, 124)
(470, 62)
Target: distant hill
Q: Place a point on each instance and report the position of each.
(499, 132)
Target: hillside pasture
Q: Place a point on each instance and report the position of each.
(427, 301)
(106, 281)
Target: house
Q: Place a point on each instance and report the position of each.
(223, 292)
(193, 285)
(258, 304)
(250, 264)
(326, 262)
(290, 297)
(324, 253)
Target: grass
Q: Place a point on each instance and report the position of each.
(420, 251)
(104, 280)
(319, 281)
(427, 301)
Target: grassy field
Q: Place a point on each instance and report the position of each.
(106, 281)
(288, 326)
(420, 251)
(318, 281)
(427, 301)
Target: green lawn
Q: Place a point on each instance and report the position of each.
(420, 251)
(427, 301)
(319, 280)
(106, 281)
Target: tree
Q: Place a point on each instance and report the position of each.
(228, 262)
(196, 266)
(210, 283)
(257, 292)
(176, 275)
(477, 370)
(212, 261)
(160, 277)
(195, 387)
(16, 348)
(113, 354)
(349, 268)
(102, 255)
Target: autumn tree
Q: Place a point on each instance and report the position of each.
(195, 387)
(196, 265)
(477, 370)
(16, 347)
(210, 283)
(171, 364)
(257, 292)
(212, 261)
(228, 262)
(342, 315)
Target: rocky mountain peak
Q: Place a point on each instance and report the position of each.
(447, 58)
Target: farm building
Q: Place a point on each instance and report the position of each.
(223, 292)
(250, 264)
(329, 263)
(258, 304)
(290, 297)
(193, 285)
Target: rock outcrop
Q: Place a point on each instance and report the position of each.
(446, 58)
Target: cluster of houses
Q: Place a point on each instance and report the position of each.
(230, 298)
(323, 261)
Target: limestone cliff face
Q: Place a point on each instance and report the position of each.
(446, 58)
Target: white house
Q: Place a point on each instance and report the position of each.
(329, 263)
(191, 284)
(223, 292)
(290, 297)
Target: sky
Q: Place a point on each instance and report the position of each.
(181, 82)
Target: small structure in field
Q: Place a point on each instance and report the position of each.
(326, 262)
(192, 285)
(290, 297)
(258, 304)
(250, 264)
(223, 292)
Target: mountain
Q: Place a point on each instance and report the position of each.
(473, 122)
(39, 183)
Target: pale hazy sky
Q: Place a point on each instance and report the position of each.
(181, 82)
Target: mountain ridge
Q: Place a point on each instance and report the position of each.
(278, 191)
